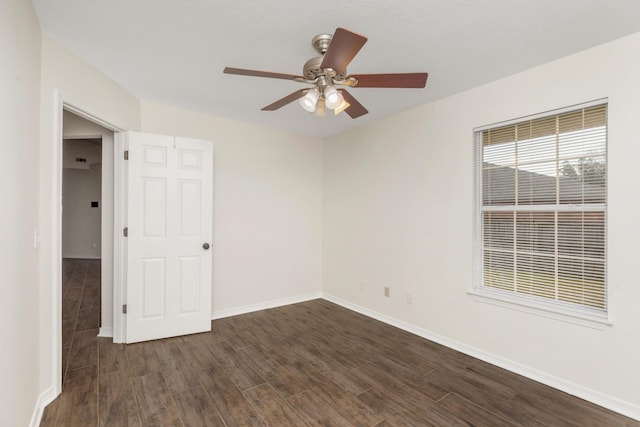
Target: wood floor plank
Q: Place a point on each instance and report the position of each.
(213, 338)
(321, 346)
(474, 379)
(90, 300)
(79, 403)
(71, 304)
(169, 354)
(315, 411)
(230, 403)
(65, 362)
(196, 409)
(345, 404)
(471, 413)
(239, 370)
(117, 402)
(414, 391)
(142, 359)
(238, 332)
(180, 379)
(111, 357)
(280, 378)
(280, 350)
(398, 412)
(272, 407)
(195, 354)
(438, 355)
(68, 327)
(88, 319)
(390, 364)
(155, 402)
(194, 404)
(84, 349)
(50, 414)
(545, 398)
(513, 410)
(342, 376)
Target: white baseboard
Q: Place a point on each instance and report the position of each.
(219, 314)
(44, 399)
(601, 399)
(106, 331)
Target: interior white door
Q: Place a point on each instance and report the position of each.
(169, 227)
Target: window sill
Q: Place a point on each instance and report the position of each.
(540, 309)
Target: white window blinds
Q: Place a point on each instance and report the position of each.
(541, 209)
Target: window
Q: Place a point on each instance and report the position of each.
(541, 211)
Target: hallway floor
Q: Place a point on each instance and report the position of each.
(80, 312)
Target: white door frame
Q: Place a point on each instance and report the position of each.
(62, 104)
(120, 180)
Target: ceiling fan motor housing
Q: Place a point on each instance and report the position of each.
(312, 70)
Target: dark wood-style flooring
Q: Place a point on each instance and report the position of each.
(81, 302)
(307, 364)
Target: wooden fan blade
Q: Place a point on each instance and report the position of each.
(286, 100)
(343, 47)
(401, 80)
(355, 109)
(256, 73)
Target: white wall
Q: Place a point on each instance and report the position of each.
(65, 77)
(19, 110)
(81, 185)
(398, 210)
(81, 222)
(87, 149)
(267, 207)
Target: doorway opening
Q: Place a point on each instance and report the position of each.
(86, 240)
(81, 245)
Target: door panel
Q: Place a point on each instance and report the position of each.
(189, 193)
(155, 207)
(189, 284)
(169, 220)
(153, 287)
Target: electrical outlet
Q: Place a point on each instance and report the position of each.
(362, 286)
(409, 298)
(386, 291)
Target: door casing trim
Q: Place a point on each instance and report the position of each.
(62, 103)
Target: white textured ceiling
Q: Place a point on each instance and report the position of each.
(173, 51)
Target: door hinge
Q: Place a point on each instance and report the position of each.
(125, 231)
(126, 154)
(124, 308)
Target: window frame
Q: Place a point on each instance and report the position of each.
(530, 303)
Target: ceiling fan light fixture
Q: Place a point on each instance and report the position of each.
(309, 101)
(320, 110)
(332, 97)
(340, 108)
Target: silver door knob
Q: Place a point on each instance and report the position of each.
(206, 246)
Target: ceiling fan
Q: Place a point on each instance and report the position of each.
(326, 72)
